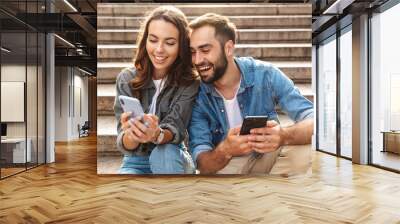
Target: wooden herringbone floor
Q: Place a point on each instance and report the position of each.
(70, 191)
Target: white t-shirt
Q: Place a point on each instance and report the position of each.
(159, 83)
(233, 112)
(232, 108)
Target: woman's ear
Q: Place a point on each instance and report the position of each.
(229, 48)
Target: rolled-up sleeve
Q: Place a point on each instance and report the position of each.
(200, 136)
(289, 97)
(178, 116)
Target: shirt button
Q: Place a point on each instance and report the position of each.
(222, 110)
(241, 105)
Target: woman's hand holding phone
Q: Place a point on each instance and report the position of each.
(129, 140)
(140, 129)
(138, 126)
(146, 133)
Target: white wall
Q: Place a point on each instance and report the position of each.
(81, 82)
(13, 73)
(69, 85)
(33, 126)
(61, 103)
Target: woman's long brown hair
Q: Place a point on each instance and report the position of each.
(181, 72)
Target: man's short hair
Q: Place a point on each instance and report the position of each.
(224, 29)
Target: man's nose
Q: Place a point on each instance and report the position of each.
(197, 58)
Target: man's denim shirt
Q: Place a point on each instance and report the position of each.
(262, 87)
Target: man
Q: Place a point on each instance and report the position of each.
(233, 88)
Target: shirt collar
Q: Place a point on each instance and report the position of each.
(246, 72)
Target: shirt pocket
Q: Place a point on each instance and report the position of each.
(164, 107)
(217, 133)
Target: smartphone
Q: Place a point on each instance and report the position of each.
(131, 104)
(251, 122)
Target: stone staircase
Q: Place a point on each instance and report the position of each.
(279, 33)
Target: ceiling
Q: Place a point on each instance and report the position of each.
(74, 22)
(330, 16)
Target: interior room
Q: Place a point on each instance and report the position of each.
(58, 157)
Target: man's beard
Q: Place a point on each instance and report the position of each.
(219, 69)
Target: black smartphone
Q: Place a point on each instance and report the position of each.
(251, 122)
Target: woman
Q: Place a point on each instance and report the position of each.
(166, 85)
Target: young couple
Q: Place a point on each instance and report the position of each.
(171, 55)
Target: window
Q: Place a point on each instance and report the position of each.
(327, 95)
(385, 89)
(23, 76)
(346, 92)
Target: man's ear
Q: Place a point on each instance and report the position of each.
(229, 48)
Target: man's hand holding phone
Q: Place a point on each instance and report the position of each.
(235, 144)
(268, 138)
(264, 135)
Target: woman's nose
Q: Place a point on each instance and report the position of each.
(160, 47)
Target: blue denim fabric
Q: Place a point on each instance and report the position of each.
(135, 165)
(164, 159)
(262, 87)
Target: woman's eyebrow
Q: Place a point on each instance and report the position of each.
(168, 38)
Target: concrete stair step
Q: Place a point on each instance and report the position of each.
(266, 52)
(121, 9)
(306, 91)
(241, 21)
(105, 99)
(106, 126)
(107, 72)
(299, 72)
(106, 95)
(106, 134)
(128, 36)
